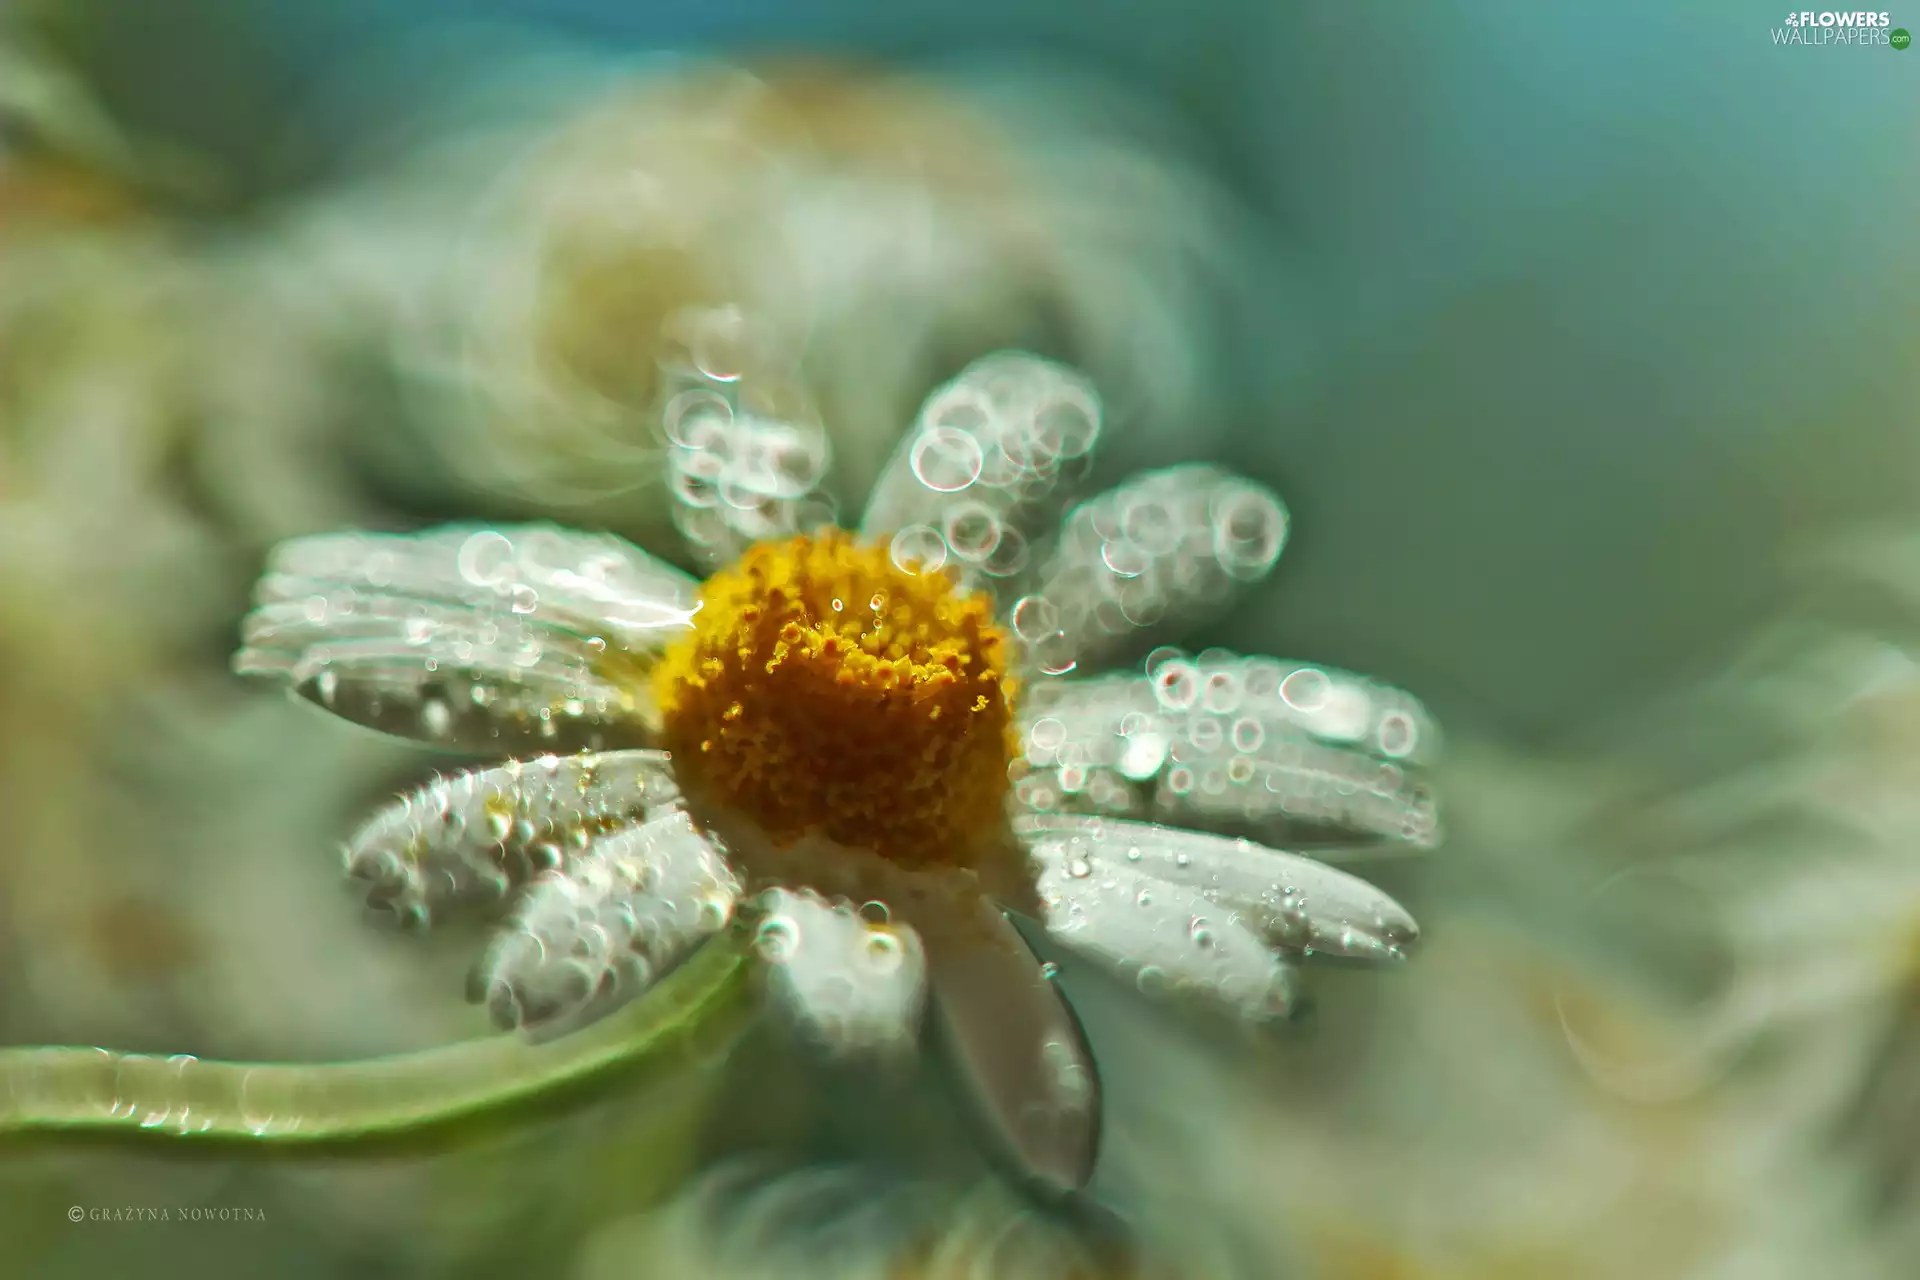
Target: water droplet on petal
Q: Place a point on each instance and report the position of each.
(1306, 689)
(919, 548)
(884, 952)
(485, 558)
(1054, 654)
(776, 938)
(946, 459)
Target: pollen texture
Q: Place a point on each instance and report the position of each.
(825, 690)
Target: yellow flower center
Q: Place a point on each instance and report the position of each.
(826, 691)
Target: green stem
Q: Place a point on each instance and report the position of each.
(688, 1015)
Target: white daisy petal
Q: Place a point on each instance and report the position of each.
(746, 450)
(1157, 554)
(985, 466)
(470, 837)
(1300, 754)
(1291, 902)
(1017, 1052)
(851, 983)
(1168, 937)
(590, 937)
(469, 637)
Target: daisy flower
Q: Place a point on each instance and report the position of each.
(867, 749)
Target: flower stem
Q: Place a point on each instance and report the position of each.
(689, 1016)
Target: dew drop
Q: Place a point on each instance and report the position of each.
(484, 558)
(263, 1100)
(1306, 689)
(918, 548)
(777, 938)
(1397, 735)
(1249, 529)
(1176, 686)
(946, 459)
(973, 531)
(884, 953)
(1054, 654)
(1034, 618)
(713, 912)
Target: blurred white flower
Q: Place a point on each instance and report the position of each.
(529, 266)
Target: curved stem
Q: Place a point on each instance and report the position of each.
(692, 1012)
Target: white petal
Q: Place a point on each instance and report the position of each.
(1159, 553)
(1017, 1052)
(746, 450)
(1292, 902)
(851, 983)
(588, 938)
(593, 584)
(989, 458)
(472, 836)
(515, 637)
(1300, 754)
(1168, 937)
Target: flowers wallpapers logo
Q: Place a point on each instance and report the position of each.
(1827, 27)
